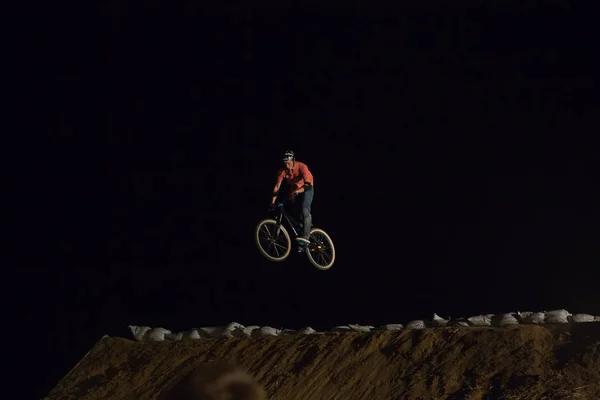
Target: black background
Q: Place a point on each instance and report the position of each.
(452, 149)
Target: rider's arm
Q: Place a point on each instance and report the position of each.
(277, 186)
(275, 191)
(304, 188)
(308, 179)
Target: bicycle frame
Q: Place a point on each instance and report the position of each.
(284, 215)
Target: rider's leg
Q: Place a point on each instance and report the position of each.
(307, 198)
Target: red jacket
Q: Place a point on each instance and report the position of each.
(295, 177)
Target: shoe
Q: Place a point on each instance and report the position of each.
(303, 239)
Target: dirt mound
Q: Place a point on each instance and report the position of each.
(517, 362)
(216, 381)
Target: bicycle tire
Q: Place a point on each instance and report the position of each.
(307, 250)
(286, 235)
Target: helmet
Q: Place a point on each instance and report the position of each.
(288, 155)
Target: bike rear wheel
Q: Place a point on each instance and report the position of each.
(320, 251)
(273, 241)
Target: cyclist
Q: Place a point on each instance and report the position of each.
(300, 181)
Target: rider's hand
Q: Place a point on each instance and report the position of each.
(272, 207)
(293, 195)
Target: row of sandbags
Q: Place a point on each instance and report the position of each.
(234, 329)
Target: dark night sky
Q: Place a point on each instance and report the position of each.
(452, 151)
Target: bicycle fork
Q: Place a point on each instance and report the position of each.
(277, 229)
(278, 223)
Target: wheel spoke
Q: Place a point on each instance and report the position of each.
(275, 248)
(269, 234)
(326, 257)
(276, 245)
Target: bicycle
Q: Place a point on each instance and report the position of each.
(320, 250)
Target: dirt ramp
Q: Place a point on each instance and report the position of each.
(510, 363)
(216, 381)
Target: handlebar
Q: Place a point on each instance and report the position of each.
(280, 204)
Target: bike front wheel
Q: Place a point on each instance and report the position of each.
(320, 251)
(273, 240)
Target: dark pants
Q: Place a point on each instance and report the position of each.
(304, 202)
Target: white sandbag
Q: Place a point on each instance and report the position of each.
(212, 332)
(247, 331)
(578, 318)
(269, 331)
(504, 319)
(461, 322)
(139, 333)
(597, 318)
(416, 324)
(238, 332)
(174, 336)
(481, 320)
(360, 328)
(287, 332)
(557, 317)
(391, 327)
(191, 334)
(531, 318)
(438, 321)
(307, 330)
(341, 328)
(158, 334)
(229, 329)
(265, 331)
